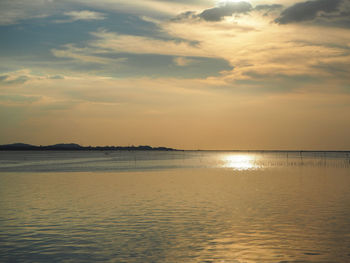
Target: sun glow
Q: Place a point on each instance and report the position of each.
(240, 162)
(223, 2)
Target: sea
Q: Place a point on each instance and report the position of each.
(174, 206)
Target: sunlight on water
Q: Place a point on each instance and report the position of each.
(138, 160)
(192, 207)
(240, 162)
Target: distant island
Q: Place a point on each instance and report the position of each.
(77, 147)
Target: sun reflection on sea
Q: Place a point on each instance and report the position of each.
(240, 162)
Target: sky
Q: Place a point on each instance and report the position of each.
(187, 74)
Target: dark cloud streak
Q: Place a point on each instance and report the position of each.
(218, 13)
(268, 7)
(306, 11)
(185, 16)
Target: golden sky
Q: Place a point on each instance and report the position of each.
(184, 74)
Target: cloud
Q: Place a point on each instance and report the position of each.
(152, 8)
(286, 60)
(10, 80)
(306, 11)
(14, 11)
(228, 9)
(185, 16)
(17, 98)
(84, 15)
(110, 41)
(56, 77)
(216, 14)
(268, 7)
(16, 77)
(85, 55)
(24, 76)
(183, 62)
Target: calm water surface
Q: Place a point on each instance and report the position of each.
(174, 207)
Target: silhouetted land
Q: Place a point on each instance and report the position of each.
(77, 147)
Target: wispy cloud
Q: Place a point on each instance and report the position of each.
(15, 11)
(15, 77)
(146, 45)
(85, 55)
(84, 15)
(23, 76)
(262, 53)
(105, 43)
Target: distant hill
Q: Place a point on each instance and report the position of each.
(77, 147)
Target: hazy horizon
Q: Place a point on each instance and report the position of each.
(198, 149)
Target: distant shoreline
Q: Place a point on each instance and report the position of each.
(77, 147)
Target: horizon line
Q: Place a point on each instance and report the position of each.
(154, 147)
